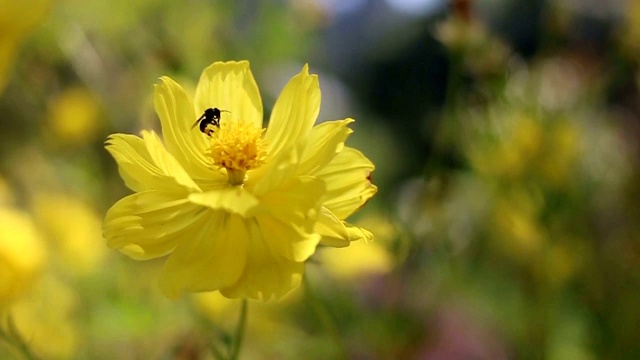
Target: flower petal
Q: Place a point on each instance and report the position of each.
(149, 224)
(145, 164)
(348, 184)
(265, 275)
(288, 240)
(281, 239)
(332, 230)
(234, 199)
(338, 233)
(266, 280)
(325, 141)
(230, 86)
(289, 218)
(177, 115)
(276, 172)
(357, 233)
(294, 113)
(209, 257)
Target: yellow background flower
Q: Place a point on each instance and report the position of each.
(74, 117)
(17, 19)
(237, 211)
(22, 254)
(47, 318)
(78, 246)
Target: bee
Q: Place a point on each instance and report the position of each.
(211, 117)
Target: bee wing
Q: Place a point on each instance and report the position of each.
(197, 121)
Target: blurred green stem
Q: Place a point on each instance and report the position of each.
(453, 82)
(325, 318)
(445, 131)
(13, 338)
(239, 335)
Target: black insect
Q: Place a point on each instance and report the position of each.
(211, 117)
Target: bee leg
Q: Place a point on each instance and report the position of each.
(209, 129)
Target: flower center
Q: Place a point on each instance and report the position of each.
(237, 146)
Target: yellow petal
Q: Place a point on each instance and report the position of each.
(177, 115)
(332, 230)
(289, 240)
(266, 280)
(145, 164)
(338, 233)
(357, 233)
(289, 217)
(149, 224)
(294, 113)
(234, 199)
(209, 257)
(230, 86)
(281, 239)
(325, 141)
(276, 172)
(348, 184)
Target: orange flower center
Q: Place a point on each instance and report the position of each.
(238, 146)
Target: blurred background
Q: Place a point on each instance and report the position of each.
(505, 137)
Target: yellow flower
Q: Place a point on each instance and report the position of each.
(74, 117)
(358, 261)
(516, 227)
(239, 209)
(17, 20)
(363, 259)
(22, 254)
(47, 318)
(76, 244)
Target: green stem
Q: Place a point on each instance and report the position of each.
(13, 338)
(242, 325)
(217, 354)
(325, 318)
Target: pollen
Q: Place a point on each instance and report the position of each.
(238, 146)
